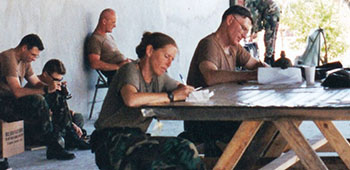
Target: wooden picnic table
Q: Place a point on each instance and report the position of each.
(283, 105)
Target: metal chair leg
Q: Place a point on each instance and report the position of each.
(93, 101)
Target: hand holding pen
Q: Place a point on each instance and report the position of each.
(184, 82)
(182, 79)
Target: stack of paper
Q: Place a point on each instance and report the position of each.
(199, 96)
(276, 75)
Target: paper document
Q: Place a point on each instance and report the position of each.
(199, 96)
(276, 75)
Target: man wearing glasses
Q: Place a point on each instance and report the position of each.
(28, 104)
(66, 122)
(214, 62)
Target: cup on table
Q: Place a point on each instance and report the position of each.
(310, 74)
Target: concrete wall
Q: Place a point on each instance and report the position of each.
(64, 24)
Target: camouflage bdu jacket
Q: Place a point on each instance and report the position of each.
(265, 14)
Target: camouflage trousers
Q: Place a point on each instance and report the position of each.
(132, 149)
(33, 109)
(270, 39)
(266, 16)
(61, 116)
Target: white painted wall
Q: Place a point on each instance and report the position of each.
(64, 24)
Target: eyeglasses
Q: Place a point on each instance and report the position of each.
(244, 28)
(55, 79)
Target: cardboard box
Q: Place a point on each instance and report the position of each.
(12, 138)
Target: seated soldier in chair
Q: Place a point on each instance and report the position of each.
(214, 62)
(103, 53)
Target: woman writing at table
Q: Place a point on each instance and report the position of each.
(119, 140)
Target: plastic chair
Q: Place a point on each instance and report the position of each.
(101, 83)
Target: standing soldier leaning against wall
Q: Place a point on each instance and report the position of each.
(266, 15)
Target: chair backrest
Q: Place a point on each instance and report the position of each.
(101, 80)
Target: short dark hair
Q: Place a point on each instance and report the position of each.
(31, 40)
(156, 39)
(54, 65)
(237, 10)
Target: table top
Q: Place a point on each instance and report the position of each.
(251, 101)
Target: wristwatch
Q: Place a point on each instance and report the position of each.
(170, 96)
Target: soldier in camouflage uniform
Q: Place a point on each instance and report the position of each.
(132, 149)
(120, 141)
(62, 119)
(28, 104)
(34, 111)
(266, 15)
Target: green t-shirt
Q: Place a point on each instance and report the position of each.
(106, 47)
(209, 49)
(115, 113)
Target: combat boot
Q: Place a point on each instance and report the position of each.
(55, 151)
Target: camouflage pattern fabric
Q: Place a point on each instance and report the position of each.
(266, 15)
(61, 117)
(78, 119)
(33, 109)
(131, 149)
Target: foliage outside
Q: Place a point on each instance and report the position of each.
(303, 16)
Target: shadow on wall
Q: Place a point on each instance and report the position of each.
(85, 53)
(90, 73)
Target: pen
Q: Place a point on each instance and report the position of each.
(182, 79)
(198, 88)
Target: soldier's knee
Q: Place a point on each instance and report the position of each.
(78, 119)
(38, 100)
(34, 99)
(37, 97)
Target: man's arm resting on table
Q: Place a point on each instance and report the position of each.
(214, 76)
(96, 63)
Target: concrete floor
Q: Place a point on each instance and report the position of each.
(36, 160)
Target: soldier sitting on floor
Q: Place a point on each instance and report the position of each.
(64, 120)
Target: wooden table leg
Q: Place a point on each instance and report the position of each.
(299, 144)
(278, 145)
(238, 144)
(336, 140)
(262, 139)
(289, 158)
